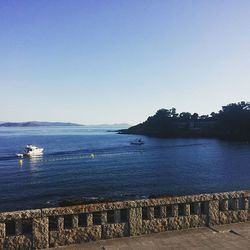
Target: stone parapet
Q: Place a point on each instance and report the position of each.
(52, 227)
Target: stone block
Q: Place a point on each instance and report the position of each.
(110, 231)
(163, 211)
(19, 215)
(40, 232)
(224, 205)
(74, 236)
(22, 242)
(213, 212)
(150, 213)
(187, 209)
(154, 226)
(104, 218)
(135, 221)
(2, 230)
(60, 222)
(175, 210)
(89, 219)
(75, 221)
(245, 203)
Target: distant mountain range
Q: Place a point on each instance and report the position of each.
(115, 125)
(37, 124)
(60, 124)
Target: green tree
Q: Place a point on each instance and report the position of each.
(185, 116)
(194, 116)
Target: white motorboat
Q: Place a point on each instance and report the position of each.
(137, 142)
(31, 151)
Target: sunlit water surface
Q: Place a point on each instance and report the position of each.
(118, 170)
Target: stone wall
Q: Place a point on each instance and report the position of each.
(52, 227)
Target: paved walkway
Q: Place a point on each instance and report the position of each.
(234, 236)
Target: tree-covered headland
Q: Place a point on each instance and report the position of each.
(231, 122)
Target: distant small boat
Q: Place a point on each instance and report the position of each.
(30, 151)
(137, 142)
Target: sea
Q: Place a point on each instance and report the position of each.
(92, 162)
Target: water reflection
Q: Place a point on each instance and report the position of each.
(35, 160)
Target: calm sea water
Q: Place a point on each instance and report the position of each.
(119, 169)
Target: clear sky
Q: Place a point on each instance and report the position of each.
(112, 61)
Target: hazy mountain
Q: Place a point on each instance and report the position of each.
(115, 125)
(37, 124)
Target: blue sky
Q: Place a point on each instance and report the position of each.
(107, 61)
